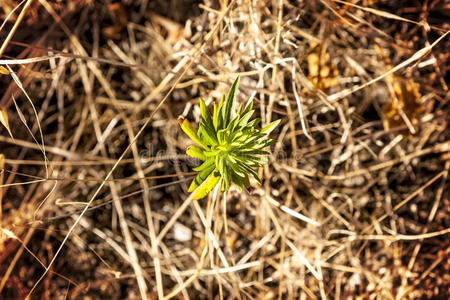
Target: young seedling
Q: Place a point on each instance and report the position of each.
(231, 148)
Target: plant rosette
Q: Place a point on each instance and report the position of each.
(231, 148)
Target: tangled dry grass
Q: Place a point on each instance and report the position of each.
(354, 202)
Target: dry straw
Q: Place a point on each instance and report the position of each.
(95, 179)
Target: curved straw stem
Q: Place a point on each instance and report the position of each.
(194, 276)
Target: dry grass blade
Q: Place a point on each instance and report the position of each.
(2, 174)
(114, 166)
(95, 177)
(416, 56)
(5, 122)
(11, 13)
(14, 28)
(3, 70)
(22, 118)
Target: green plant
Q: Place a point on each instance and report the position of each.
(231, 148)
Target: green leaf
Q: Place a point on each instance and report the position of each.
(222, 100)
(268, 129)
(207, 186)
(218, 118)
(246, 182)
(266, 143)
(207, 164)
(191, 132)
(249, 152)
(234, 136)
(221, 167)
(250, 161)
(245, 118)
(233, 148)
(212, 153)
(215, 116)
(237, 170)
(239, 181)
(221, 136)
(248, 107)
(239, 110)
(206, 115)
(253, 172)
(227, 177)
(196, 152)
(232, 129)
(254, 122)
(229, 102)
(249, 142)
(200, 178)
(207, 135)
